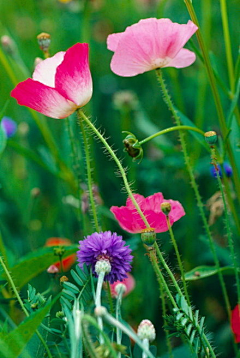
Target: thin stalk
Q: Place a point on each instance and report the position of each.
(171, 129)
(227, 221)
(216, 96)
(98, 302)
(145, 343)
(179, 260)
(227, 41)
(110, 299)
(89, 170)
(118, 317)
(118, 163)
(10, 280)
(169, 103)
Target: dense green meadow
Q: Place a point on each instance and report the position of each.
(47, 170)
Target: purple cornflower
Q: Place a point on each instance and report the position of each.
(106, 246)
(9, 126)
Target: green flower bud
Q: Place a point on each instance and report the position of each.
(132, 146)
(148, 236)
(211, 137)
(166, 208)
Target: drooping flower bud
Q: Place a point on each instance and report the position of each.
(146, 330)
(148, 236)
(102, 266)
(166, 208)
(211, 137)
(132, 146)
(44, 41)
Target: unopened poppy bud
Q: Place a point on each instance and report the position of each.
(148, 236)
(100, 311)
(63, 279)
(102, 266)
(8, 44)
(211, 137)
(132, 146)
(35, 192)
(44, 41)
(53, 269)
(146, 330)
(166, 208)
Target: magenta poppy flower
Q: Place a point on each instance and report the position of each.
(150, 44)
(129, 219)
(60, 84)
(235, 323)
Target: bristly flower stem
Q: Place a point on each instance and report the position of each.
(89, 170)
(169, 103)
(179, 260)
(227, 221)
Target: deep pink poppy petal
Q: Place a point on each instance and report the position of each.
(139, 199)
(128, 219)
(153, 202)
(73, 78)
(184, 58)
(235, 323)
(45, 71)
(43, 99)
(156, 221)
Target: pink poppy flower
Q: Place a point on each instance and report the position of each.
(60, 84)
(235, 323)
(129, 282)
(150, 44)
(129, 219)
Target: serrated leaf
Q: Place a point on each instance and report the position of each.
(16, 340)
(35, 263)
(206, 271)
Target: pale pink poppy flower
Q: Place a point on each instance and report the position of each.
(150, 44)
(129, 282)
(129, 219)
(59, 85)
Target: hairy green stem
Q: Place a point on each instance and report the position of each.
(10, 280)
(171, 129)
(89, 170)
(117, 161)
(179, 260)
(169, 103)
(216, 96)
(227, 221)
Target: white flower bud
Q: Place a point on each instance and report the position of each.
(146, 330)
(120, 287)
(100, 311)
(102, 266)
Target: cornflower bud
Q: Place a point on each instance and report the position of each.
(146, 330)
(120, 287)
(102, 266)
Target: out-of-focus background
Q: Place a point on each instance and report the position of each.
(38, 196)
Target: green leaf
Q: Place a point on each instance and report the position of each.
(35, 263)
(206, 271)
(12, 344)
(3, 140)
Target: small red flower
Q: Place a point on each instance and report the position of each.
(235, 323)
(68, 261)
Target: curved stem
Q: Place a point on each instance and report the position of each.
(216, 96)
(89, 170)
(171, 129)
(117, 161)
(179, 260)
